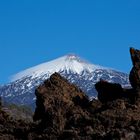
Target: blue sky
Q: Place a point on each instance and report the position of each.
(101, 31)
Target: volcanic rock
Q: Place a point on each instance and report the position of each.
(112, 91)
(12, 128)
(64, 112)
(108, 91)
(56, 99)
(135, 72)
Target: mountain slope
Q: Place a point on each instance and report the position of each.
(68, 62)
(77, 71)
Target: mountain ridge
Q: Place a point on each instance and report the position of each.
(72, 67)
(65, 62)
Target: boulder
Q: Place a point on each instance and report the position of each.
(108, 91)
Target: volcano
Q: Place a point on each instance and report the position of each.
(84, 74)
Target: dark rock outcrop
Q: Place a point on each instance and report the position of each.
(66, 113)
(12, 128)
(112, 91)
(108, 91)
(135, 72)
(58, 102)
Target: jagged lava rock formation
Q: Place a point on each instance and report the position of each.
(65, 112)
(110, 91)
(134, 76)
(56, 99)
(63, 109)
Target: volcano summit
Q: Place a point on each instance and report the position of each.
(78, 71)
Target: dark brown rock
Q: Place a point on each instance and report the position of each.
(135, 72)
(66, 113)
(0, 102)
(56, 99)
(11, 128)
(112, 91)
(108, 91)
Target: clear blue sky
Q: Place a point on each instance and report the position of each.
(35, 31)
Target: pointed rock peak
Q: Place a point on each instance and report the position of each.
(56, 96)
(135, 55)
(56, 76)
(134, 76)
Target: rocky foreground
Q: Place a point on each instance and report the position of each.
(64, 112)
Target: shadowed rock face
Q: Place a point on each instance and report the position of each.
(56, 99)
(111, 91)
(135, 72)
(108, 91)
(65, 112)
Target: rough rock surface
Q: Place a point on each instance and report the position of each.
(56, 99)
(13, 129)
(135, 72)
(64, 112)
(108, 91)
(112, 91)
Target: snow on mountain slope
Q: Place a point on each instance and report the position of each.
(83, 74)
(68, 62)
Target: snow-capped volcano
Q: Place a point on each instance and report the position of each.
(69, 62)
(78, 71)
